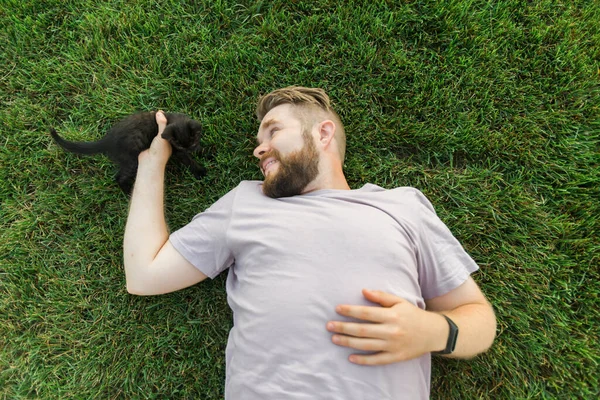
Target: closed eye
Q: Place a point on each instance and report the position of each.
(269, 134)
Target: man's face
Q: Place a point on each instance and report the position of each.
(288, 156)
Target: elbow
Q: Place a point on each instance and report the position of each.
(494, 324)
(138, 288)
(483, 336)
(131, 289)
(135, 285)
(489, 334)
(486, 345)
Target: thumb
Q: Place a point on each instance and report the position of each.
(383, 298)
(161, 121)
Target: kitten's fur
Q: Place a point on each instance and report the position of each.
(133, 134)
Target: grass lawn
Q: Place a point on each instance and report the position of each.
(492, 109)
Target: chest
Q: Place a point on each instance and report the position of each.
(322, 244)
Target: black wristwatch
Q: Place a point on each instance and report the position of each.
(452, 336)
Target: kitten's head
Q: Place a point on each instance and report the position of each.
(184, 136)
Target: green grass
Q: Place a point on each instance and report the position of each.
(492, 109)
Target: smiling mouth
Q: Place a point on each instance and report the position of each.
(267, 165)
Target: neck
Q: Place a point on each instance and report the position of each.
(331, 176)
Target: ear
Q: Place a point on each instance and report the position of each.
(194, 127)
(167, 133)
(326, 132)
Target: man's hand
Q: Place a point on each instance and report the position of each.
(398, 331)
(160, 150)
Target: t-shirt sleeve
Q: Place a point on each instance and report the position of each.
(203, 242)
(442, 262)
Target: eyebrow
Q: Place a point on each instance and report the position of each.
(265, 125)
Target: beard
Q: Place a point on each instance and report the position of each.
(295, 171)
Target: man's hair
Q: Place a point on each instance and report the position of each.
(311, 105)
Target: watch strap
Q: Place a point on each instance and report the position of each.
(452, 336)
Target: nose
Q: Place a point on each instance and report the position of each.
(261, 149)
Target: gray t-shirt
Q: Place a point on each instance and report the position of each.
(292, 260)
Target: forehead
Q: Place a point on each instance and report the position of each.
(283, 112)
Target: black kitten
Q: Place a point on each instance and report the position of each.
(133, 134)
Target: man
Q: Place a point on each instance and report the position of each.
(336, 293)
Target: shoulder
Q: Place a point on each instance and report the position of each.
(414, 196)
(406, 196)
(244, 191)
(249, 185)
(248, 189)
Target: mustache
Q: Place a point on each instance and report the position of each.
(271, 153)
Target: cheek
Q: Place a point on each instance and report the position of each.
(286, 147)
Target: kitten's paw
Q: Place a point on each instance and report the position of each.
(199, 172)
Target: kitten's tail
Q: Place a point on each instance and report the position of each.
(86, 148)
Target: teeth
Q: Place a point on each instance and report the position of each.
(269, 163)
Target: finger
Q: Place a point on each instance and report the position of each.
(359, 343)
(380, 358)
(383, 298)
(376, 331)
(373, 314)
(161, 120)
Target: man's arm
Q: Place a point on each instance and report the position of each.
(400, 331)
(152, 265)
(472, 313)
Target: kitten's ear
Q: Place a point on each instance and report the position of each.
(195, 127)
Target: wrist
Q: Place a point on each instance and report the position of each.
(440, 332)
(150, 176)
(452, 337)
(149, 160)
